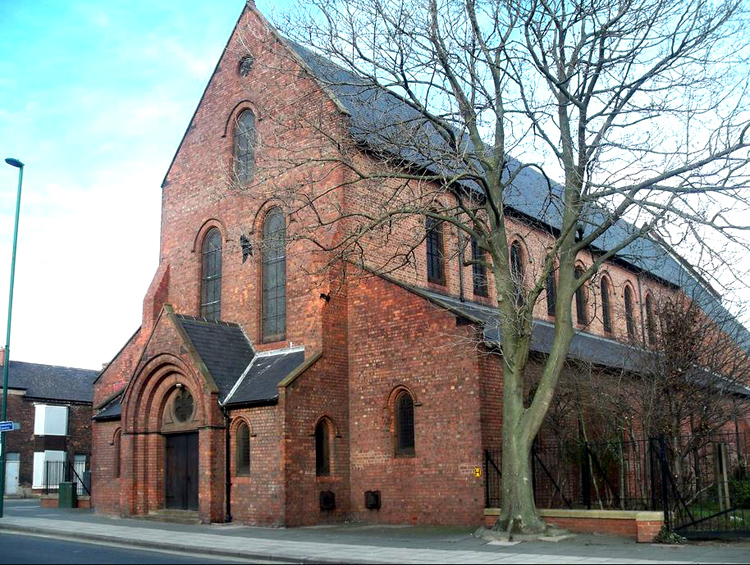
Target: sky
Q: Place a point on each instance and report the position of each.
(94, 99)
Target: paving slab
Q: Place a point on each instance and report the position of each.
(353, 543)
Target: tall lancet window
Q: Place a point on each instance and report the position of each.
(244, 147)
(273, 309)
(211, 276)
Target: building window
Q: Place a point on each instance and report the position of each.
(629, 319)
(273, 308)
(118, 452)
(517, 271)
(551, 293)
(650, 321)
(479, 270)
(243, 449)
(581, 316)
(435, 257)
(404, 424)
(244, 147)
(211, 276)
(322, 449)
(606, 307)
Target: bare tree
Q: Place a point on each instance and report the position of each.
(641, 109)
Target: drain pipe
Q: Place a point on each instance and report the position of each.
(227, 469)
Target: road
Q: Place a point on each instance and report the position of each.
(34, 549)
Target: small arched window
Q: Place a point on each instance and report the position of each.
(273, 307)
(606, 307)
(404, 424)
(243, 449)
(244, 147)
(435, 257)
(629, 313)
(118, 453)
(322, 449)
(479, 270)
(650, 320)
(517, 271)
(581, 316)
(211, 276)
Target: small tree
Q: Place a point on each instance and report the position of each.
(639, 107)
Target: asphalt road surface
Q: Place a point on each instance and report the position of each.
(33, 549)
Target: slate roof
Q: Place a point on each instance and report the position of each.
(584, 346)
(50, 382)
(260, 383)
(222, 346)
(383, 121)
(113, 411)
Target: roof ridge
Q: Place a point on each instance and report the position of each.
(209, 321)
(54, 366)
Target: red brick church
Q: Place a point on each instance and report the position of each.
(260, 390)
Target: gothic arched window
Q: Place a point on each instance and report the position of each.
(118, 452)
(479, 270)
(606, 307)
(435, 257)
(211, 276)
(273, 307)
(629, 314)
(551, 293)
(650, 320)
(404, 424)
(322, 449)
(517, 271)
(581, 316)
(243, 449)
(244, 147)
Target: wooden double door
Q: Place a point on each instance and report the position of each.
(182, 471)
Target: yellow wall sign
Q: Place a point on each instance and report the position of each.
(477, 472)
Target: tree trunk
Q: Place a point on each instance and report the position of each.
(518, 513)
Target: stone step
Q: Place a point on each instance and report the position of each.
(184, 517)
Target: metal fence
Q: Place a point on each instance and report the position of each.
(701, 483)
(56, 472)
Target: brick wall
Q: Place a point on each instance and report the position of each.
(438, 365)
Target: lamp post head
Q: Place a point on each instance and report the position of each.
(14, 163)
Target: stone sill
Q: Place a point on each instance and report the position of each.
(637, 515)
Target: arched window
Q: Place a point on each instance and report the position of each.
(211, 277)
(404, 424)
(606, 307)
(118, 452)
(650, 320)
(273, 307)
(244, 147)
(322, 449)
(629, 316)
(243, 449)
(551, 293)
(478, 269)
(435, 258)
(517, 270)
(581, 316)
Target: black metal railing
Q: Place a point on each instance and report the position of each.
(56, 472)
(701, 483)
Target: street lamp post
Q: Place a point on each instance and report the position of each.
(6, 361)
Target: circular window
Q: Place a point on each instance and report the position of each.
(183, 406)
(246, 65)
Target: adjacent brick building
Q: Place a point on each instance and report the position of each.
(54, 407)
(264, 390)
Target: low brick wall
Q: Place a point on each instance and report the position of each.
(641, 526)
(52, 501)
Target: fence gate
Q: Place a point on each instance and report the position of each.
(710, 487)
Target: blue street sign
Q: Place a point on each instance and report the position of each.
(7, 426)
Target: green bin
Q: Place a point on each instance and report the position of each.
(67, 496)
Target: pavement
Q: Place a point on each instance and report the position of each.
(350, 543)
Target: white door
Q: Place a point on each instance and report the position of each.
(79, 465)
(12, 470)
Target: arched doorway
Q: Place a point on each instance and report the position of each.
(179, 426)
